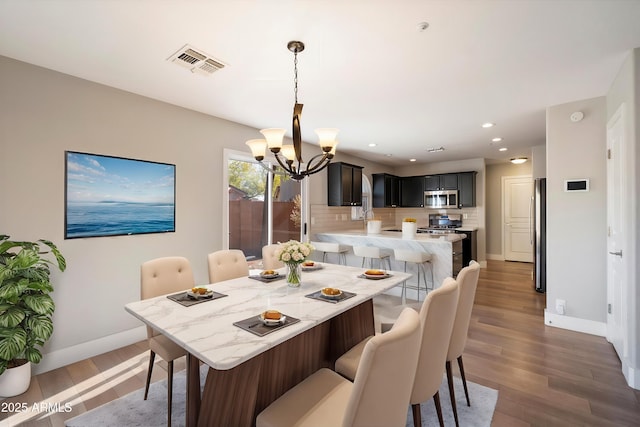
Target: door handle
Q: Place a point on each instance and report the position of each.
(617, 253)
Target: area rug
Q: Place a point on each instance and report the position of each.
(132, 411)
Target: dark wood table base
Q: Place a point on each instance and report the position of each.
(236, 396)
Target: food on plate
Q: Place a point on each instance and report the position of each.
(308, 263)
(199, 291)
(331, 291)
(272, 315)
(268, 273)
(374, 273)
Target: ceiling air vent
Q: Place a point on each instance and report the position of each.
(196, 60)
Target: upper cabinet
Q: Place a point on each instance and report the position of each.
(448, 181)
(466, 189)
(344, 184)
(412, 191)
(386, 192)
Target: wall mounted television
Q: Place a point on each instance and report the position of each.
(115, 196)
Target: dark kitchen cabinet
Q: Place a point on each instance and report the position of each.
(412, 192)
(447, 181)
(386, 190)
(469, 246)
(466, 189)
(457, 257)
(344, 184)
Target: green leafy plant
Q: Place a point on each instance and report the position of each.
(25, 304)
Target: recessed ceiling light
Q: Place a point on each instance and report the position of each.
(503, 149)
(422, 26)
(488, 125)
(498, 139)
(389, 155)
(412, 160)
(372, 144)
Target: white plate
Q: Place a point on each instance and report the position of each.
(376, 276)
(330, 296)
(209, 294)
(269, 276)
(271, 322)
(315, 266)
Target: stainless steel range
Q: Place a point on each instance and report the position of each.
(442, 224)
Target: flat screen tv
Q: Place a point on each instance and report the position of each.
(113, 196)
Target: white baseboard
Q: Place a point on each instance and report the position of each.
(66, 356)
(575, 324)
(495, 257)
(631, 374)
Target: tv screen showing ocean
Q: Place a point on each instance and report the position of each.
(90, 219)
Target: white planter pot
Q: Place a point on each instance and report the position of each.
(374, 226)
(15, 381)
(409, 230)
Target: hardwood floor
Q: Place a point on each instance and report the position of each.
(545, 376)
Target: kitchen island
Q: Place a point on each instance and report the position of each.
(445, 249)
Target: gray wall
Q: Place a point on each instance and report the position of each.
(576, 222)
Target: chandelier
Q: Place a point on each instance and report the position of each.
(290, 156)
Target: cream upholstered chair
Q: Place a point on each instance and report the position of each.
(378, 396)
(373, 252)
(420, 258)
(332, 248)
(227, 264)
(468, 282)
(270, 259)
(436, 317)
(162, 276)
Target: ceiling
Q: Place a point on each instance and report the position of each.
(367, 69)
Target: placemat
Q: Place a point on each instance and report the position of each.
(386, 276)
(186, 300)
(254, 325)
(267, 279)
(318, 295)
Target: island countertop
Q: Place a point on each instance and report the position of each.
(440, 246)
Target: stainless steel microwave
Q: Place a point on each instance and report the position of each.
(441, 199)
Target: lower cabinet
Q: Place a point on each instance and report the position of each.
(469, 247)
(457, 257)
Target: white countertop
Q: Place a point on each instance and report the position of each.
(420, 237)
(206, 330)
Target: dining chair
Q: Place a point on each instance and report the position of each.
(270, 259)
(162, 276)
(468, 282)
(377, 397)
(437, 314)
(227, 264)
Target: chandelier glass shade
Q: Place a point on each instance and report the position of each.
(289, 156)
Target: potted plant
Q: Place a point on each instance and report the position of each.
(26, 309)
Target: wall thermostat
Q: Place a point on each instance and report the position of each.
(577, 116)
(576, 185)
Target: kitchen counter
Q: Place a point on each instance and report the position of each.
(440, 246)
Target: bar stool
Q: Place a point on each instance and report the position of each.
(372, 253)
(419, 258)
(332, 248)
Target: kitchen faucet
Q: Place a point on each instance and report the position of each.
(364, 216)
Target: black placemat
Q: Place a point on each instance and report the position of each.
(318, 295)
(267, 279)
(186, 300)
(386, 276)
(254, 325)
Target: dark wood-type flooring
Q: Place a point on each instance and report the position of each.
(545, 376)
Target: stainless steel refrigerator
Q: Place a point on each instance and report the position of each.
(539, 234)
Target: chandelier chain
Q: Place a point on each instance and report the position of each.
(295, 75)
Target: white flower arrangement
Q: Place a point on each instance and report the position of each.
(294, 252)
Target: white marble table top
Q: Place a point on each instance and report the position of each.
(206, 330)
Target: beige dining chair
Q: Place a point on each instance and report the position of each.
(377, 397)
(227, 264)
(270, 259)
(162, 276)
(468, 282)
(437, 314)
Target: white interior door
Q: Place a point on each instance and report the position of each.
(517, 202)
(616, 236)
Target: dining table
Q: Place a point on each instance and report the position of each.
(251, 364)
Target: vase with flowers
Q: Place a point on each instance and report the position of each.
(293, 254)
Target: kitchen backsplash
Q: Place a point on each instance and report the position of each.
(329, 218)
